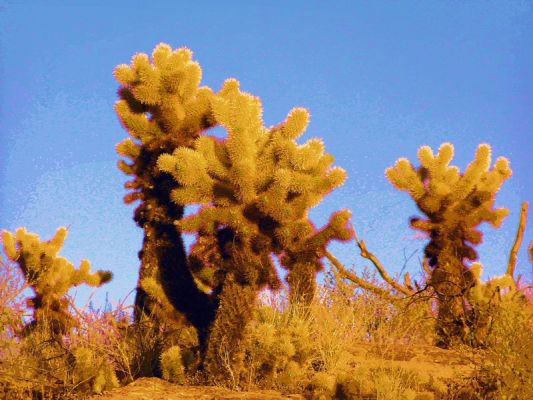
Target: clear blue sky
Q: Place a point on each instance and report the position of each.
(380, 79)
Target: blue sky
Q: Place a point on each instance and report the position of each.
(379, 78)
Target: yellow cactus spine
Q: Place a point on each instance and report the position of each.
(172, 365)
(455, 204)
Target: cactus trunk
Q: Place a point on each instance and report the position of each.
(228, 340)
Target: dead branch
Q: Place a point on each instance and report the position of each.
(358, 281)
(402, 291)
(381, 270)
(518, 240)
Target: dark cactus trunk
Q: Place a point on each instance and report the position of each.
(302, 283)
(163, 253)
(451, 280)
(164, 258)
(228, 339)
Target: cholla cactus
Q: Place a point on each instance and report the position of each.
(455, 204)
(163, 109)
(256, 188)
(172, 365)
(483, 298)
(282, 349)
(50, 276)
(94, 370)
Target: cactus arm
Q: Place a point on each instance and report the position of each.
(50, 275)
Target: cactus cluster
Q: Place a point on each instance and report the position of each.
(255, 187)
(252, 190)
(50, 276)
(455, 204)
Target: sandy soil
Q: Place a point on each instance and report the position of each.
(158, 389)
(440, 364)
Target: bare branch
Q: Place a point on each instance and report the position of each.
(518, 240)
(408, 282)
(531, 252)
(425, 265)
(381, 270)
(358, 281)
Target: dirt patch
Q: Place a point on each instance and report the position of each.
(441, 365)
(158, 389)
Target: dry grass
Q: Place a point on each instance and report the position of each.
(348, 344)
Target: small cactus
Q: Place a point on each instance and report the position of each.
(50, 276)
(172, 365)
(94, 370)
(455, 204)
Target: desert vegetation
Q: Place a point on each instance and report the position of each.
(219, 314)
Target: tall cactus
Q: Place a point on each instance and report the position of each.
(455, 204)
(256, 187)
(50, 276)
(163, 108)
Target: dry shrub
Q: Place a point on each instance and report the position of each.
(13, 306)
(504, 369)
(313, 349)
(351, 317)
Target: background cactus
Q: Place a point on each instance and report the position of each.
(50, 276)
(455, 204)
(93, 369)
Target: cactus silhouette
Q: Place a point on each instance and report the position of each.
(255, 188)
(50, 276)
(455, 204)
